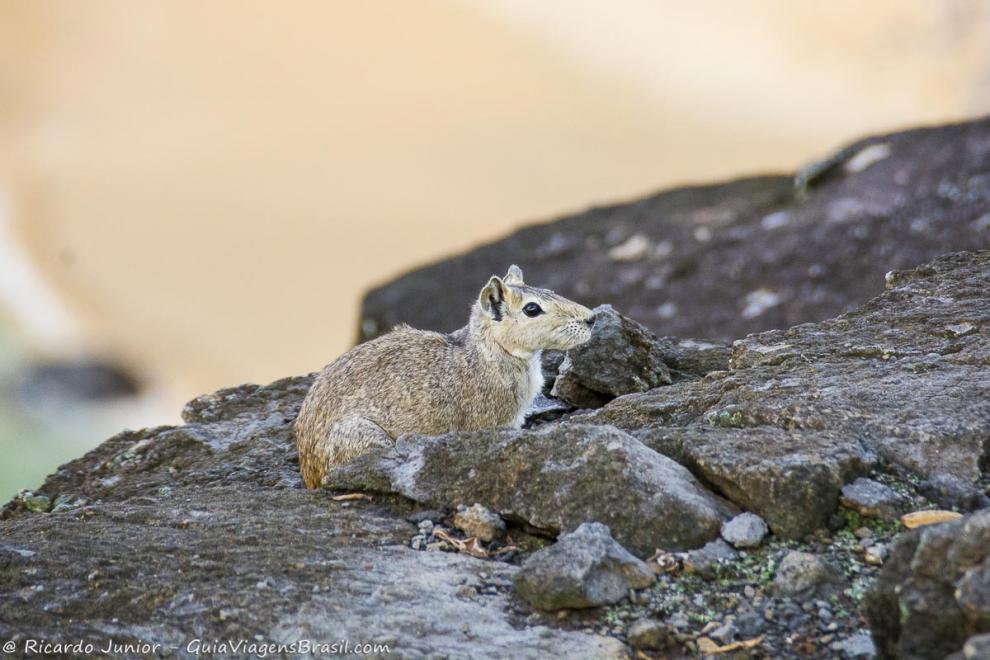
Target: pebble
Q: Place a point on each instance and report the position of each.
(479, 522)
(875, 555)
(704, 560)
(746, 530)
(649, 634)
(977, 647)
(679, 620)
(873, 499)
(859, 645)
(466, 591)
(750, 624)
(724, 633)
(803, 572)
(426, 527)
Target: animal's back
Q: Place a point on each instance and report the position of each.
(408, 381)
(413, 381)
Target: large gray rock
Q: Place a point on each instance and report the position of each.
(554, 477)
(934, 590)
(726, 260)
(902, 382)
(585, 568)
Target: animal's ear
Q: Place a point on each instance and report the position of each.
(514, 276)
(492, 298)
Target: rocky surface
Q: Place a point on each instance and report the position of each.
(584, 568)
(204, 531)
(934, 592)
(721, 261)
(803, 412)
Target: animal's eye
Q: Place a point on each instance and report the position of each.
(532, 309)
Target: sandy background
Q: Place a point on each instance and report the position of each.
(204, 190)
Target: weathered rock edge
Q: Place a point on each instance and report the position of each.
(722, 261)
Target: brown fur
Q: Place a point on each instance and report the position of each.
(412, 381)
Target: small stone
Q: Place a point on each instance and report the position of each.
(36, 503)
(634, 248)
(824, 614)
(745, 530)
(650, 634)
(679, 620)
(704, 561)
(859, 645)
(724, 633)
(585, 568)
(802, 573)
(875, 555)
(863, 532)
(466, 591)
(750, 624)
(866, 543)
(708, 627)
(479, 522)
(749, 591)
(961, 329)
(873, 499)
(977, 647)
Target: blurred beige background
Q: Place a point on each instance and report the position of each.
(204, 189)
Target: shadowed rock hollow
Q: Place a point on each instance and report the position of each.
(204, 530)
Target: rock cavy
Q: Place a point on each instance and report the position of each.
(413, 381)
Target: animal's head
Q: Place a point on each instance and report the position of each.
(524, 319)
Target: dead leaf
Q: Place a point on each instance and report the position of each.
(352, 496)
(664, 562)
(469, 546)
(706, 645)
(504, 549)
(922, 518)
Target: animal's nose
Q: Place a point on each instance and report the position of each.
(590, 321)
